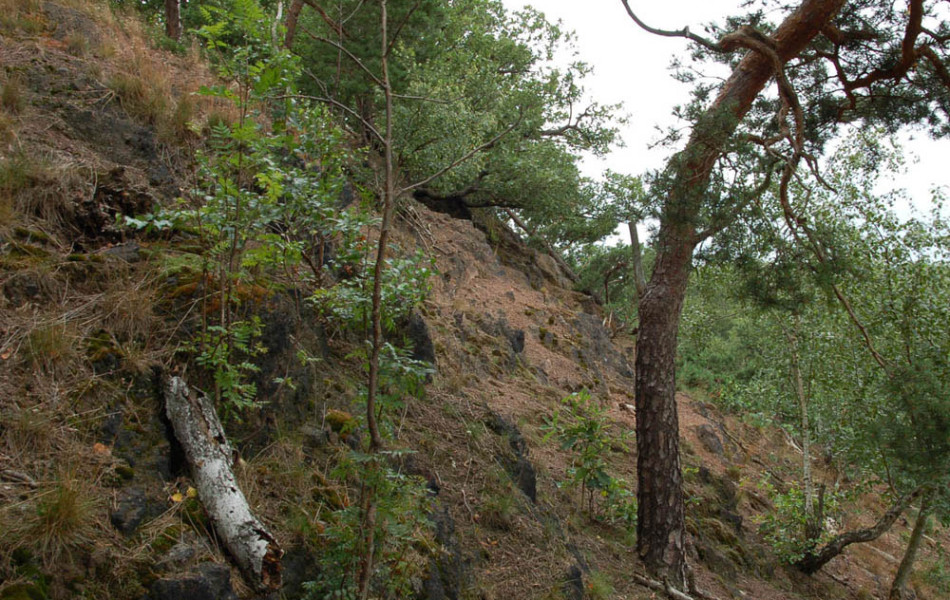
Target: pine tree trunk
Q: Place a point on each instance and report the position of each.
(661, 533)
(899, 586)
(173, 19)
(661, 519)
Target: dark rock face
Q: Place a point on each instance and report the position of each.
(727, 497)
(517, 465)
(516, 337)
(499, 327)
(574, 584)
(453, 206)
(21, 288)
(130, 252)
(709, 439)
(298, 566)
(523, 474)
(209, 581)
(132, 509)
(418, 333)
(116, 194)
(598, 348)
(446, 572)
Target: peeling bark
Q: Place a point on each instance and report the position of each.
(211, 459)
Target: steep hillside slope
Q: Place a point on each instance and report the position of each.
(95, 499)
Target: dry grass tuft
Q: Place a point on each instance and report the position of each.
(142, 92)
(77, 45)
(27, 432)
(50, 344)
(159, 86)
(54, 522)
(12, 98)
(23, 17)
(41, 186)
(128, 312)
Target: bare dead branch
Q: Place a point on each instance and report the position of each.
(336, 27)
(683, 33)
(798, 226)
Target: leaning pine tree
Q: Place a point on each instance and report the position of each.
(834, 62)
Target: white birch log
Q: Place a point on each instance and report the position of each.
(211, 459)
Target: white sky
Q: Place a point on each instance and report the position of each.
(631, 65)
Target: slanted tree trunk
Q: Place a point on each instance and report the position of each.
(899, 586)
(290, 24)
(173, 19)
(661, 531)
(211, 458)
(814, 561)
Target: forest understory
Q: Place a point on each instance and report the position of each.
(156, 223)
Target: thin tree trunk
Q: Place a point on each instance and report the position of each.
(389, 192)
(173, 19)
(814, 561)
(899, 586)
(661, 531)
(812, 519)
(210, 457)
(293, 14)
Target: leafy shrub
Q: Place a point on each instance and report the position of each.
(582, 427)
(786, 528)
(402, 536)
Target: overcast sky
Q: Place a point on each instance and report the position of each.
(632, 66)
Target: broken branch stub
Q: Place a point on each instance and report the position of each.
(211, 459)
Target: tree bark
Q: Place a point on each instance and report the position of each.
(290, 24)
(813, 562)
(899, 586)
(661, 534)
(173, 19)
(210, 457)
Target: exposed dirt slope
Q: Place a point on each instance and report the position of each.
(481, 309)
(94, 500)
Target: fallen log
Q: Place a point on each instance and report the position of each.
(211, 460)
